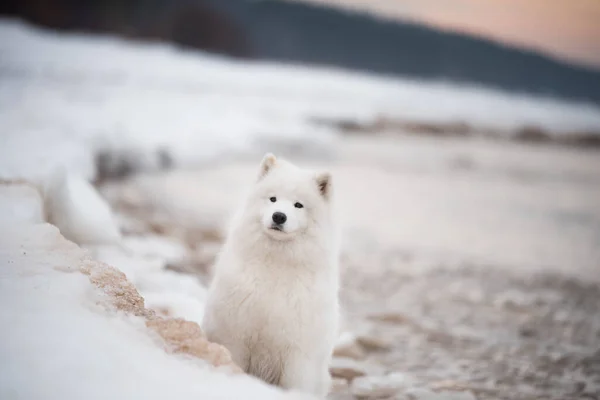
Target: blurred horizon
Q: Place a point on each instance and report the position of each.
(305, 33)
(567, 31)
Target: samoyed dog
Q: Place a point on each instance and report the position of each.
(273, 301)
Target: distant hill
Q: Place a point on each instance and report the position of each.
(304, 33)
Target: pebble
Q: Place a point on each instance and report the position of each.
(456, 396)
(421, 394)
(449, 385)
(347, 368)
(339, 385)
(348, 346)
(426, 394)
(380, 386)
(373, 343)
(390, 317)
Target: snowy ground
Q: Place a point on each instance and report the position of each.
(61, 336)
(474, 266)
(471, 267)
(75, 95)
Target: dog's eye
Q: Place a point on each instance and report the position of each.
(273, 199)
(298, 205)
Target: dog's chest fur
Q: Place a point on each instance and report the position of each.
(284, 305)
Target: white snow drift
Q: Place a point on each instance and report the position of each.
(64, 96)
(57, 342)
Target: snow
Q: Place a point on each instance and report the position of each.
(143, 260)
(79, 212)
(58, 341)
(64, 97)
(20, 204)
(75, 207)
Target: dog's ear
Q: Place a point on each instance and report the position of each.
(324, 184)
(268, 162)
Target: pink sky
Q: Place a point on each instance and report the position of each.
(567, 29)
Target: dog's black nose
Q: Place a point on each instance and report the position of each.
(279, 218)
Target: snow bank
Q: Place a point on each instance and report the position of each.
(66, 335)
(20, 203)
(143, 260)
(63, 97)
(74, 206)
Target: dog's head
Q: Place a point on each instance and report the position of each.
(289, 201)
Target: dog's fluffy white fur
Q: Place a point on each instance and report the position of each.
(273, 301)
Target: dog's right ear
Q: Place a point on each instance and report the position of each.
(268, 162)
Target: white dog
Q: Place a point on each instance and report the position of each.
(274, 298)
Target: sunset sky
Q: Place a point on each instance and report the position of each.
(567, 29)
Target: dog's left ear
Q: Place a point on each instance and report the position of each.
(324, 184)
(268, 162)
